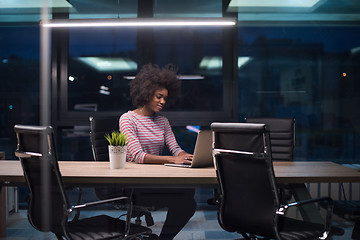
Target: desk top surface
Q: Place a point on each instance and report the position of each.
(85, 172)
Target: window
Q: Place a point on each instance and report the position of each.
(198, 55)
(19, 75)
(309, 73)
(100, 64)
(103, 61)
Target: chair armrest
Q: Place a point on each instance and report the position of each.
(282, 210)
(89, 204)
(330, 205)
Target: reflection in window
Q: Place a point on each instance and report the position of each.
(310, 73)
(202, 87)
(99, 60)
(103, 61)
(19, 76)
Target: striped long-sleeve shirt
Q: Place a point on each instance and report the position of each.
(147, 135)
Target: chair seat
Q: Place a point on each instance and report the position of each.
(349, 210)
(292, 229)
(102, 227)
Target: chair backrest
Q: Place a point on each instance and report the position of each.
(47, 200)
(253, 137)
(282, 136)
(99, 127)
(246, 178)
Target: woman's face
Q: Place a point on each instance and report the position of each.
(158, 100)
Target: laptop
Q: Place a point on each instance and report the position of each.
(202, 152)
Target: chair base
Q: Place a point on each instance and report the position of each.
(349, 210)
(356, 231)
(103, 226)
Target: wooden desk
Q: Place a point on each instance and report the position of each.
(90, 173)
(141, 175)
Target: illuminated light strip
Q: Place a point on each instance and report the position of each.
(195, 129)
(286, 92)
(101, 91)
(181, 77)
(137, 22)
(272, 3)
(190, 77)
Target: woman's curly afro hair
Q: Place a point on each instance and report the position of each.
(152, 78)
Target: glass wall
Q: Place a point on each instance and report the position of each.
(19, 76)
(103, 61)
(198, 55)
(311, 74)
(305, 67)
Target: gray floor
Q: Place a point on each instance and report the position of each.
(203, 225)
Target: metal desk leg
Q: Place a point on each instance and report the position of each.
(2, 212)
(2, 205)
(16, 200)
(309, 212)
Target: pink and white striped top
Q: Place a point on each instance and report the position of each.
(147, 135)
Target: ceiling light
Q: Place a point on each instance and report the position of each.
(190, 77)
(106, 64)
(92, 107)
(191, 128)
(104, 92)
(16, 4)
(355, 51)
(273, 5)
(138, 22)
(181, 77)
(215, 62)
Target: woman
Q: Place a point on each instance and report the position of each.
(148, 132)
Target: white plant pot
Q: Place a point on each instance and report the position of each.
(117, 156)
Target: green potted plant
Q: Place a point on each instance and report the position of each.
(117, 149)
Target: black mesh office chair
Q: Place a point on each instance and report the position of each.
(249, 202)
(349, 210)
(99, 127)
(282, 141)
(246, 142)
(49, 209)
(282, 136)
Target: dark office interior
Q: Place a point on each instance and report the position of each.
(286, 62)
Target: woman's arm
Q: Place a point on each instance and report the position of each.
(178, 155)
(183, 157)
(134, 148)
